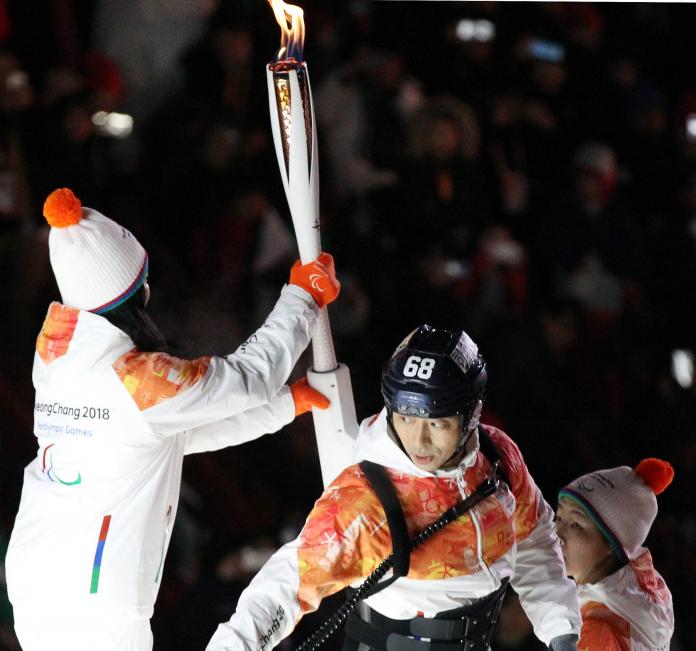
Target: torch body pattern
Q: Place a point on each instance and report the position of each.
(295, 137)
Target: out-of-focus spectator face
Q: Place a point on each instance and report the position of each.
(586, 26)
(596, 170)
(501, 249)
(77, 123)
(652, 122)
(446, 129)
(507, 110)
(648, 112)
(60, 83)
(390, 74)
(16, 93)
(220, 146)
(383, 68)
(234, 46)
(548, 77)
(561, 330)
(250, 206)
(624, 73)
(105, 81)
(479, 51)
(589, 187)
(545, 61)
(445, 139)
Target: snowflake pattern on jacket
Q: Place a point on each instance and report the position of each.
(346, 535)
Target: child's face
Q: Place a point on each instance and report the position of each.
(586, 551)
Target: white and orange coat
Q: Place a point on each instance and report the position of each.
(346, 536)
(113, 425)
(629, 610)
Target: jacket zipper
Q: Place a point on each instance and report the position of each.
(477, 526)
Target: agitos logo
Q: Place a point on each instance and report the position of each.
(49, 471)
(273, 628)
(316, 279)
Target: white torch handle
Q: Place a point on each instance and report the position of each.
(323, 354)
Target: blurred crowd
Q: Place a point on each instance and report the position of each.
(524, 171)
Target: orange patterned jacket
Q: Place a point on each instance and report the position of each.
(346, 536)
(630, 610)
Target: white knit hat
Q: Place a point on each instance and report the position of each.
(97, 263)
(621, 502)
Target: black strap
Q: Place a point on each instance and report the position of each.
(491, 453)
(401, 545)
(372, 583)
(468, 627)
(364, 634)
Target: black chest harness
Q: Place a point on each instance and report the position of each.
(469, 628)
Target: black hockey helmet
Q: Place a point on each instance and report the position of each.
(434, 373)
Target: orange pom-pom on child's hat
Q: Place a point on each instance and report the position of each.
(656, 473)
(62, 208)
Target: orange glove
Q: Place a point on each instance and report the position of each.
(318, 278)
(305, 397)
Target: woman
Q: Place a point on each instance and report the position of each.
(603, 519)
(114, 417)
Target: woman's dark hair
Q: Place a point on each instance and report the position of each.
(133, 319)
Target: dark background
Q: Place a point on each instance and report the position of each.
(537, 189)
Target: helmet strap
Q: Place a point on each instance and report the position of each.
(391, 430)
(467, 430)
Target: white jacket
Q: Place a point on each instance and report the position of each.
(629, 610)
(113, 425)
(346, 537)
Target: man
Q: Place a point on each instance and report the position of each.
(435, 454)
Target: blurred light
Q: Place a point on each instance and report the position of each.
(683, 368)
(546, 50)
(691, 126)
(116, 125)
(475, 30)
(17, 80)
(252, 559)
(455, 270)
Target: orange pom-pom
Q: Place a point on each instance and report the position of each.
(62, 208)
(656, 473)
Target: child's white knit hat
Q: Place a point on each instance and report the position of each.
(621, 501)
(97, 263)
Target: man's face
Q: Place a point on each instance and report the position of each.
(430, 442)
(584, 548)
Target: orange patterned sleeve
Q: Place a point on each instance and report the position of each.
(57, 332)
(344, 539)
(526, 492)
(603, 630)
(151, 378)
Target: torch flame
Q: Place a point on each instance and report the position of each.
(291, 21)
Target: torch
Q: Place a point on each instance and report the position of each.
(295, 136)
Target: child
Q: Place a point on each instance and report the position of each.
(603, 519)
